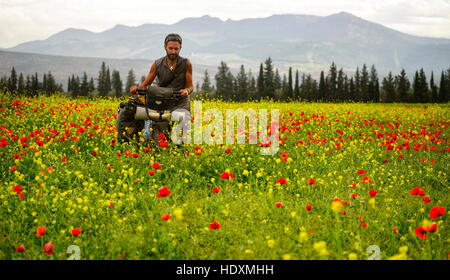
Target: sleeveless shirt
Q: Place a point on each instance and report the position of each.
(176, 78)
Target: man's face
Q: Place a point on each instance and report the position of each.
(173, 48)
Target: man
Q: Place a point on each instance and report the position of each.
(173, 71)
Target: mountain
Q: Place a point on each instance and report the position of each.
(307, 43)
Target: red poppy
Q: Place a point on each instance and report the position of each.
(279, 204)
(163, 191)
(135, 155)
(48, 248)
(156, 166)
(17, 189)
(360, 172)
(430, 228)
(426, 199)
(64, 159)
(366, 179)
(16, 156)
(421, 232)
(364, 225)
(395, 230)
(308, 207)
(227, 175)
(436, 212)
(281, 181)
(415, 191)
(20, 195)
(14, 168)
(151, 173)
(355, 195)
(214, 225)
(165, 217)
(227, 150)
(20, 249)
(372, 193)
(385, 161)
(94, 153)
(110, 204)
(40, 231)
(76, 231)
(216, 189)
(118, 154)
(163, 144)
(311, 181)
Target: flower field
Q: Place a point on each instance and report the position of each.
(350, 181)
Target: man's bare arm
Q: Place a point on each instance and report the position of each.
(148, 81)
(189, 85)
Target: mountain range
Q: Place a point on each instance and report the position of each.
(304, 42)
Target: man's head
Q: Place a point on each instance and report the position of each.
(172, 45)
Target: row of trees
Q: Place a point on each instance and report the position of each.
(31, 84)
(335, 86)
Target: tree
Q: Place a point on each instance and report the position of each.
(84, 87)
(242, 85)
(331, 83)
(296, 86)
(290, 91)
(251, 85)
(102, 82)
(374, 90)
(108, 84)
(340, 85)
(131, 80)
(389, 88)
(116, 83)
(357, 96)
(420, 87)
(260, 82)
(206, 85)
(364, 84)
(224, 82)
(443, 89)
(12, 85)
(269, 83)
(434, 93)
(91, 85)
(352, 93)
(403, 85)
(21, 84)
(277, 80)
(322, 87)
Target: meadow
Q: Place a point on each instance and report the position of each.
(350, 181)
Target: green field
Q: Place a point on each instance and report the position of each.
(72, 174)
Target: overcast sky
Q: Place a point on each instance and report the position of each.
(26, 20)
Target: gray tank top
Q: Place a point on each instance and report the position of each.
(176, 78)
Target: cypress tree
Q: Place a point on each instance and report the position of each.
(91, 85)
(84, 87)
(364, 84)
(357, 96)
(13, 80)
(242, 85)
(260, 83)
(277, 80)
(21, 84)
(374, 85)
(340, 85)
(443, 90)
(251, 85)
(206, 85)
(434, 93)
(322, 88)
(290, 93)
(331, 83)
(296, 86)
(389, 88)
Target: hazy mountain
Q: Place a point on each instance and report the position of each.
(307, 43)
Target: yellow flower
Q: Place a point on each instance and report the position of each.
(178, 213)
(352, 256)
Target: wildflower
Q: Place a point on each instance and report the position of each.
(14, 168)
(426, 199)
(321, 248)
(40, 231)
(135, 155)
(421, 233)
(20, 249)
(436, 212)
(360, 172)
(165, 217)
(227, 150)
(366, 179)
(48, 248)
(151, 173)
(214, 225)
(281, 181)
(336, 205)
(308, 207)
(354, 196)
(364, 225)
(156, 165)
(279, 204)
(17, 189)
(372, 193)
(311, 181)
(227, 175)
(163, 191)
(395, 230)
(76, 232)
(216, 189)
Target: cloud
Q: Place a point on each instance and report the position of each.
(25, 20)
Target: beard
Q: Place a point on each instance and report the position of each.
(172, 56)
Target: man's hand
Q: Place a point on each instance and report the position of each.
(184, 93)
(133, 89)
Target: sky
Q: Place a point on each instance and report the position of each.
(27, 20)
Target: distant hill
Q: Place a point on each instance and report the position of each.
(308, 43)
